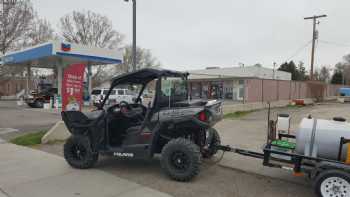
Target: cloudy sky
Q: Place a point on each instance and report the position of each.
(194, 34)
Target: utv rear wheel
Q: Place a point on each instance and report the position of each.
(78, 152)
(215, 141)
(181, 159)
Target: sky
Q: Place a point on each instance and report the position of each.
(194, 34)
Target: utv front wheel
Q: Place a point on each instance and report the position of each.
(78, 153)
(181, 159)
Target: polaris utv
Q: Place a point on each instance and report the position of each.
(171, 124)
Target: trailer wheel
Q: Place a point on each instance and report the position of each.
(181, 159)
(78, 152)
(332, 183)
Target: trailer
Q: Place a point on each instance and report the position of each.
(330, 177)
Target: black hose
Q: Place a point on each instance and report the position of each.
(217, 161)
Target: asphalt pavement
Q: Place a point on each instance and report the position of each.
(233, 176)
(17, 120)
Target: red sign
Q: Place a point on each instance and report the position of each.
(72, 87)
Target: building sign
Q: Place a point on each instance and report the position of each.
(72, 87)
(65, 47)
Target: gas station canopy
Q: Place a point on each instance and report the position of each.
(50, 54)
(58, 55)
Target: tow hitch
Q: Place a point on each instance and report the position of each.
(227, 148)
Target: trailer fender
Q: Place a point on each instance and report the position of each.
(325, 165)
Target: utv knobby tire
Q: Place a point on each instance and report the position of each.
(216, 141)
(81, 144)
(181, 159)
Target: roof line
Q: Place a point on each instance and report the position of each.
(27, 49)
(105, 59)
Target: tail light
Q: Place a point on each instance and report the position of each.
(203, 116)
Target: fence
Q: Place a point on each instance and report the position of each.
(262, 90)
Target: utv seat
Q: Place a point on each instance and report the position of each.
(133, 130)
(77, 119)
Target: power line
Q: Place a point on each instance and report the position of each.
(300, 49)
(334, 43)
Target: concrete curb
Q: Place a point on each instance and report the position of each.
(58, 132)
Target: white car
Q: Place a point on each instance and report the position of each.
(116, 96)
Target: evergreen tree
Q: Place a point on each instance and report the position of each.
(291, 68)
(337, 77)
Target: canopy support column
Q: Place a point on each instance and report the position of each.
(89, 81)
(28, 82)
(59, 79)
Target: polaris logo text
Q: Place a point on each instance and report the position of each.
(123, 154)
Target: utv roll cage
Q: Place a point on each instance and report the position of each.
(142, 77)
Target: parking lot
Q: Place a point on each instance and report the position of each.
(233, 176)
(16, 120)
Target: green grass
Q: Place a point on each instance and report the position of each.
(30, 139)
(237, 114)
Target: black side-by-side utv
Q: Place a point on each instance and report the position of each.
(172, 124)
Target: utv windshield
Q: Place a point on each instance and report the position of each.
(173, 90)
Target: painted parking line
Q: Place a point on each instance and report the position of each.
(7, 130)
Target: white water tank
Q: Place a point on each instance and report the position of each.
(321, 138)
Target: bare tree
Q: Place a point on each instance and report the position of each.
(16, 17)
(40, 32)
(15, 22)
(324, 74)
(346, 69)
(90, 28)
(144, 59)
(93, 29)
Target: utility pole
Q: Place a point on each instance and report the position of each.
(274, 70)
(314, 37)
(133, 34)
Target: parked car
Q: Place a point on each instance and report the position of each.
(37, 98)
(116, 96)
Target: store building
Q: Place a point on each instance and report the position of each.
(229, 83)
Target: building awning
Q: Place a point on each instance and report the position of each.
(49, 54)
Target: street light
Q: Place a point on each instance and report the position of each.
(133, 34)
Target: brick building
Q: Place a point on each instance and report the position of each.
(12, 86)
(229, 83)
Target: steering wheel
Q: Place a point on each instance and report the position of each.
(124, 107)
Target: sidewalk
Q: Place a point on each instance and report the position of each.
(26, 172)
